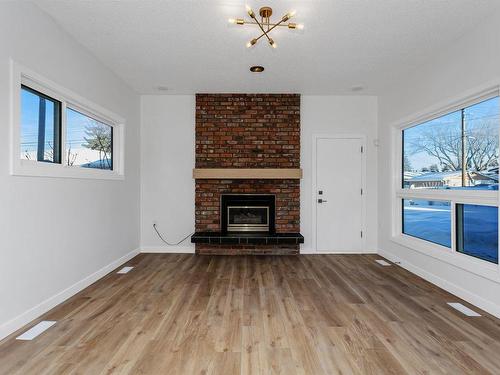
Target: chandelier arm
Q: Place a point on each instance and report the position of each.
(272, 25)
(276, 25)
(257, 39)
(264, 31)
(268, 31)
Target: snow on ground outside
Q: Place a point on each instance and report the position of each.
(431, 221)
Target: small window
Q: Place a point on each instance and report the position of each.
(89, 142)
(428, 220)
(40, 127)
(477, 231)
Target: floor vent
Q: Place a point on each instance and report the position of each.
(382, 262)
(463, 309)
(125, 270)
(34, 331)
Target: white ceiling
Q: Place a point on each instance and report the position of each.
(188, 45)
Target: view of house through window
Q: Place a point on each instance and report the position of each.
(455, 151)
(88, 142)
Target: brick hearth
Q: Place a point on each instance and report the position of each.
(247, 131)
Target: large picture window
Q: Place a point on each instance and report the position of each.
(456, 151)
(448, 194)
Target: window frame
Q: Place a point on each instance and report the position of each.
(479, 197)
(22, 76)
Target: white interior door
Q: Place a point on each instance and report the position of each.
(339, 195)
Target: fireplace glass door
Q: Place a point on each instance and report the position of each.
(248, 218)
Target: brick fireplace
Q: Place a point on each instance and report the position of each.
(247, 131)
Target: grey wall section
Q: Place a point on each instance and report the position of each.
(56, 232)
(469, 63)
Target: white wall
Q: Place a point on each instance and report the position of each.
(168, 158)
(338, 115)
(464, 66)
(55, 232)
(167, 185)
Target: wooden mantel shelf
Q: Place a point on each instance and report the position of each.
(247, 173)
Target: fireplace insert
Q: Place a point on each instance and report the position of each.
(248, 213)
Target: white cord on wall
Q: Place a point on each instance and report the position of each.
(168, 243)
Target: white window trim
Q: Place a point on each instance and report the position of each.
(19, 167)
(476, 266)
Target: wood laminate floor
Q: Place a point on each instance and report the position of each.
(317, 314)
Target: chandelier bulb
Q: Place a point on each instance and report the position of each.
(250, 11)
(251, 43)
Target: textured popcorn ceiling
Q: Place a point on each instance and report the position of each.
(189, 47)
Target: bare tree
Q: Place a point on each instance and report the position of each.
(482, 146)
(71, 157)
(406, 163)
(445, 144)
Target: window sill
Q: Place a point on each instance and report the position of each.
(457, 196)
(36, 169)
(476, 266)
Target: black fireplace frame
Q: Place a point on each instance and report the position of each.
(268, 200)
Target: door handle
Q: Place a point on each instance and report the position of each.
(320, 200)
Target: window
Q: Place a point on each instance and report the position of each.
(56, 133)
(448, 192)
(477, 231)
(89, 142)
(435, 151)
(40, 127)
(428, 220)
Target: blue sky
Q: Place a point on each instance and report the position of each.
(484, 111)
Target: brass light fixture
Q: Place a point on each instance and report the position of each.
(265, 25)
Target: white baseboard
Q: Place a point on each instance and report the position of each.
(312, 251)
(18, 322)
(454, 289)
(168, 249)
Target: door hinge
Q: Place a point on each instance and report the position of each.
(361, 149)
(361, 234)
(361, 191)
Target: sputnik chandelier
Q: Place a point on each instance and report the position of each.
(265, 25)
